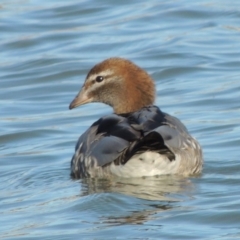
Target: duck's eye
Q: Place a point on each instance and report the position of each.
(99, 78)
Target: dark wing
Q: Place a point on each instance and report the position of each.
(116, 138)
(106, 139)
(160, 132)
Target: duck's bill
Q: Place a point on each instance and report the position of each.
(80, 99)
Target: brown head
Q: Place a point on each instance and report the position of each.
(118, 83)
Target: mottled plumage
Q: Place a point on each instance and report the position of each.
(141, 142)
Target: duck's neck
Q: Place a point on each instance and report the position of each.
(134, 100)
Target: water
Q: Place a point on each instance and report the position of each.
(191, 49)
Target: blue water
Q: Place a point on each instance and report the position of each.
(191, 49)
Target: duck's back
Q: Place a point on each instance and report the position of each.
(143, 143)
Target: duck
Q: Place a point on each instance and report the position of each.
(136, 140)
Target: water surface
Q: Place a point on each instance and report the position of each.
(191, 49)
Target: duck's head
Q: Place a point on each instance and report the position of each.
(119, 83)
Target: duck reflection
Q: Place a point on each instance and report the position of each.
(139, 200)
(163, 188)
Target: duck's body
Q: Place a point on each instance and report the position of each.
(138, 139)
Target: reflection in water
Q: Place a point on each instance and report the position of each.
(135, 217)
(155, 194)
(162, 188)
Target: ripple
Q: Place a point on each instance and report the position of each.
(191, 49)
